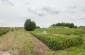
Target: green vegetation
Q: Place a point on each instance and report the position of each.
(3, 30)
(29, 25)
(77, 50)
(18, 42)
(60, 37)
(70, 25)
(61, 40)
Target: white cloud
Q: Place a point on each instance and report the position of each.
(44, 12)
(7, 2)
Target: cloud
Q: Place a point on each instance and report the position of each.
(35, 12)
(83, 9)
(30, 10)
(50, 10)
(7, 1)
(44, 11)
(72, 7)
(70, 12)
(27, 4)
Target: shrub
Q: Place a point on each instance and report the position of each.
(29, 25)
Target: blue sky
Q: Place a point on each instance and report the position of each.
(43, 12)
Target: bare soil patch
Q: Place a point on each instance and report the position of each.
(39, 45)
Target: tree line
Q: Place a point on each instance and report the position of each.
(70, 25)
(31, 25)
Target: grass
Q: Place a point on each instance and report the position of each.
(17, 42)
(57, 39)
(75, 50)
(3, 30)
(20, 42)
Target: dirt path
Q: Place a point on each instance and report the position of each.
(39, 45)
(5, 53)
(6, 43)
(14, 42)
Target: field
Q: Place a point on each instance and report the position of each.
(63, 40)
(17, 41)
(4, 30)
(44, 41)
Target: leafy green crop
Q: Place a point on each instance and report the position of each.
(56, 39)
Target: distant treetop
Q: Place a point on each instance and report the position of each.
(70, 25)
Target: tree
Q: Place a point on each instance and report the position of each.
(70, 25)
(37, 27)
(29, 25)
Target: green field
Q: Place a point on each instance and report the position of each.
(55, 41)
(63, 40)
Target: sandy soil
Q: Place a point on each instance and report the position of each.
(6, 44)
(5, 53)
(39, 45)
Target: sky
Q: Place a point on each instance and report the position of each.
(13, 13)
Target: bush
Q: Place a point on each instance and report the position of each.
(29, 25)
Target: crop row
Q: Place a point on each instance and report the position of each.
(4, 30)
(56, 40)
